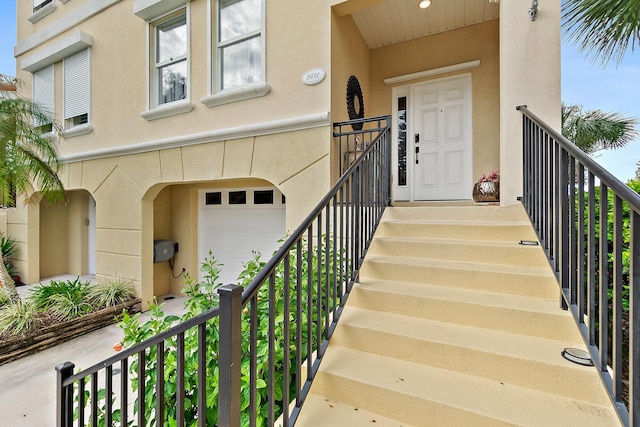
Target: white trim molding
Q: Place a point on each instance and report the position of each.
(64, 23)
(41, 13)
(151, 9)
(254, 90)
(168, 109)
(432, 72)
(63, 48)
(257, 129)
(77, 131)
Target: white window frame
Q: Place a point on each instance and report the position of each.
(222, 95)
(156, 110)
(41, 8)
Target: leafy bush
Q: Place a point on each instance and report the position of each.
(111, 292)
(202, 297)
(60, 296)
(4, 298)
(9, 248)
(18, 318)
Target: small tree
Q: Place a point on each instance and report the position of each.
(28, 154)
(597, 130)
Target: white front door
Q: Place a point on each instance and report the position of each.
(442, 140)
(439, 140)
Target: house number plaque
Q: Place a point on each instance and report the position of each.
(313, 77)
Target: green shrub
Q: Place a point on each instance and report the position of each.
(18, 319)
(4, 298)
(9, 248)
(63, 299)
(111, 292)
(201, 298)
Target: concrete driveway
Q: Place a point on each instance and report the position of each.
(28, 385)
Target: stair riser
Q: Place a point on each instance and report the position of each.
(503, 233)
(399, 406)
(569, 380)
(543, 325)
(489, 281)
(503, 255)
(467, 213)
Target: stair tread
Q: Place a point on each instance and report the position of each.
(486, 398)
(482, 339)
(514, 212)
(460, 295)
(320, 411)
(462, 265)
(453, 241)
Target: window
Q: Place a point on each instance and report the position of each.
(240, 44)
(76, 89)
(263, 197)
(213, 198)
(39, 4)
(237, 197)
(44, 96)
(170, 59)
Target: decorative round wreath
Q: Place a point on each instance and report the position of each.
(354, 91)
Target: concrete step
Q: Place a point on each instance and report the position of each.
(323, 412)
(457, 229)
(513, 213)
(517, 314)
(508, 358)
(537, 282)
(495, 252)
(427, 396)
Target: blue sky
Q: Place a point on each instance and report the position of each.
(614, 88)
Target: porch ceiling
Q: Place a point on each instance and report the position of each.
(384, 23)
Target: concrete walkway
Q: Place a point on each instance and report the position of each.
(28, 385)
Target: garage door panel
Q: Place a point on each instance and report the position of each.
(232, 233)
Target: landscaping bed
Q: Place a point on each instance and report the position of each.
(13, 348)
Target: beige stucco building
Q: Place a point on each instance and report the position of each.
(208, 123)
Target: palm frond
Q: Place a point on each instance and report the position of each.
(603, 28)
(594, 130)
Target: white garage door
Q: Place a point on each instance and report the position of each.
(233, 223)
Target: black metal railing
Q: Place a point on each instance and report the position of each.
(589, 225)
(272, 335)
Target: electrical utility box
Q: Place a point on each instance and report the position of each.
(163, 250)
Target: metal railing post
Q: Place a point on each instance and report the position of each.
(64, 395)
(634, 322)
(229, 355)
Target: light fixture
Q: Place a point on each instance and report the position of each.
(423, 4)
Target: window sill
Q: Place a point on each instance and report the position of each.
(236, 94)
(77, 131)
(46, 10)
(167, 110)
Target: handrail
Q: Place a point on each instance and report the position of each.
(598, 275)
(311, 275)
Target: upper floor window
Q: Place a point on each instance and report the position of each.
(39, 4)
(171, 48)
(44, 96)
(76, 89)
(240, 43)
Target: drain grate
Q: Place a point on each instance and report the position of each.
(578, 356)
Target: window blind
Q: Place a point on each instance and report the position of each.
(43, 90)
(76, 84)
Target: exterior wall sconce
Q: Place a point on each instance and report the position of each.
(423, 4)
(533, 11)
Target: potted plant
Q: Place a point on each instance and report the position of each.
(487, 189)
